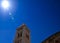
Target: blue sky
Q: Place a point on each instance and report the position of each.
(41, 16)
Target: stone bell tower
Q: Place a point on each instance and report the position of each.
(22, 35)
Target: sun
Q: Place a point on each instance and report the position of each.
(5, 4)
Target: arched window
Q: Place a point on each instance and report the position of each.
(20, 34)
(27, 36)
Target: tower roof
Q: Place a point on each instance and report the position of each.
(23, 26)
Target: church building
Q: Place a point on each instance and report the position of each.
(55, 38)
(23, 36)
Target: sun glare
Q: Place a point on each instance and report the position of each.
(5, 4)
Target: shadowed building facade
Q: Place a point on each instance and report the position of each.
(55, 38)
(22, 35)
